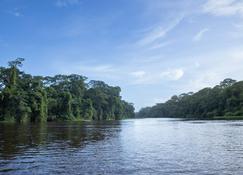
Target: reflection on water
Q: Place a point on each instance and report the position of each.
(15, 138)
(142, 146)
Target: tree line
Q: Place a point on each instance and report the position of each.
(225, 99)
(24, 97)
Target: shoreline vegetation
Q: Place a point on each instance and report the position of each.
(28, 98)
(222, 102)
(227, 118)
(216, 118)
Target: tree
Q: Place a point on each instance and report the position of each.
(227, 83)
(24, 97)
(222, 100)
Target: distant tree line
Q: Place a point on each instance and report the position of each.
(24, 97)
(225, 99)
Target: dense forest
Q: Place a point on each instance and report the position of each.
(24, 97)
(222, 101)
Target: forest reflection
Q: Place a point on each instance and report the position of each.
(16, 138)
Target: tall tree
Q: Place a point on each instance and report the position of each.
(24, 97)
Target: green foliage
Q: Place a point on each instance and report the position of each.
(24, 97)
(225, 99)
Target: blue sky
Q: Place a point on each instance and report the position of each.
(152, 49)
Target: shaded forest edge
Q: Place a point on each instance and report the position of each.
(224, 101)
(24, 97)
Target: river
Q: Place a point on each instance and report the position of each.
(134, 146)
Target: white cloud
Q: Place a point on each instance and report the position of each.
(159, 32)
(173, 74)
(159, 100)
(160, 45)
(87, 69)
(200, 34)
(197, 64)
(238, 26)
(138, 74)
(65, 3)
(95, 69)
(223, 7)
(215, 67)
(237, 31)
(15, 12)
(155, 77)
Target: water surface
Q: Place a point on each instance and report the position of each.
(138, 146)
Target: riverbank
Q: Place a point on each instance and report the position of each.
(228, 118)
(90, 120)
(48, 121)
(217, 118)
